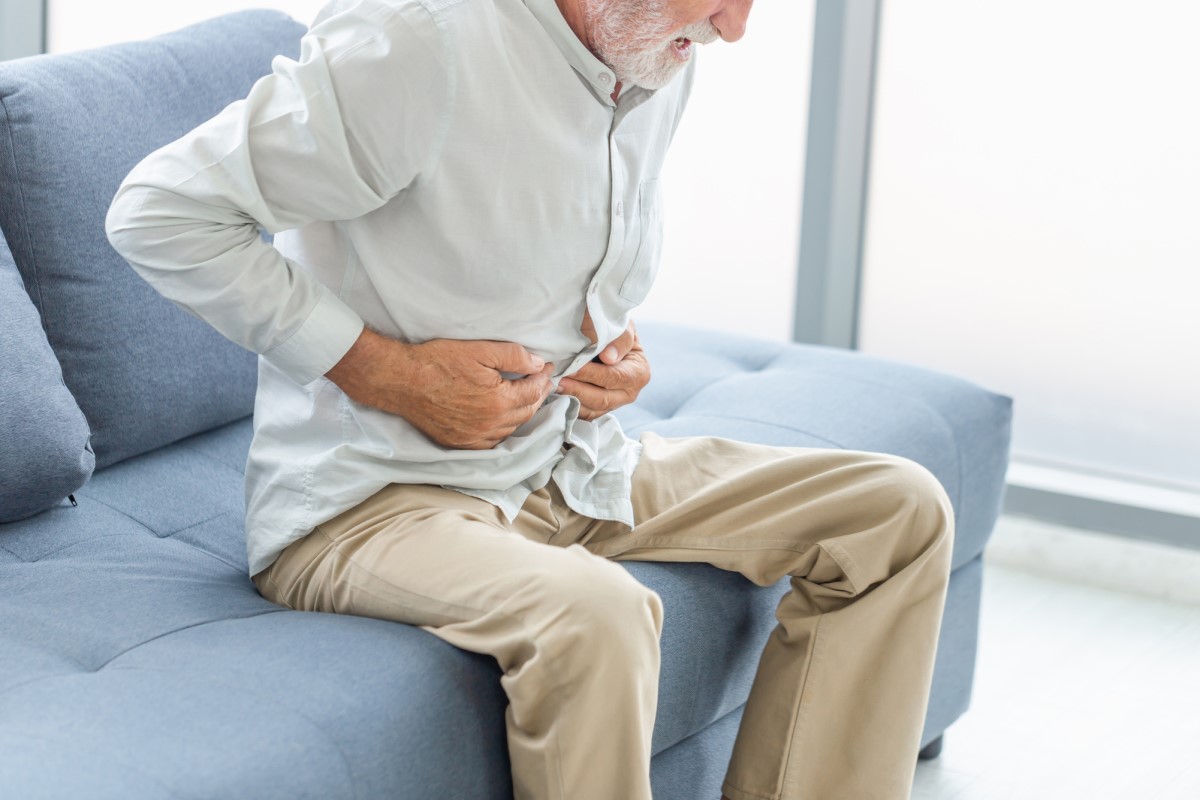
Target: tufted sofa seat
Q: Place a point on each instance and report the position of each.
(137, 659)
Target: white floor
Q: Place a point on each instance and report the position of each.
(1081, 692)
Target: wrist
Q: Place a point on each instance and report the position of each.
(373, 368)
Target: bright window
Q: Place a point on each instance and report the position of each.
(733, 182)
(1034, 225)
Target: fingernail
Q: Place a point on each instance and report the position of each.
(538, 361)
(610, 354)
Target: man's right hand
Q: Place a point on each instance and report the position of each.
(450, 390)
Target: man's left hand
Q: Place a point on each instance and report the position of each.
(614, 381)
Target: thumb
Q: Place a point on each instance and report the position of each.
(620, 347)
(512, 358)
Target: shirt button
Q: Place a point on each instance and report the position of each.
(604, 78)
(620, 209)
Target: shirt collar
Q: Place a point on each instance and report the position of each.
(590, 68)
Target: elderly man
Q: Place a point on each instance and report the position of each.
(465, 201)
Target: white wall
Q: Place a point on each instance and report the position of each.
(1034, 220)
(733, 182)
(79, 24)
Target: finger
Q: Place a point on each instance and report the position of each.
(620, 347)
(599, 374)
(509, 357)
(514, 418)
(591, 397)
(531, 390)
(483, 439)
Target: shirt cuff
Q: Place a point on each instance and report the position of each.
(328, 332)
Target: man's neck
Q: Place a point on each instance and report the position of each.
(573, 13)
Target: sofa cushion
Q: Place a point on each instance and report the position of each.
(44, 450)
(144, 372)
(805, 396)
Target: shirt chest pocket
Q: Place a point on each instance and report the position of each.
(641, 273)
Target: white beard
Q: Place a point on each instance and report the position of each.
(635, 38)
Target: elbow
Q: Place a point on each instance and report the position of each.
(135, 226)
(121, 223)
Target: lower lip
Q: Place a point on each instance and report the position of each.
(684, 50)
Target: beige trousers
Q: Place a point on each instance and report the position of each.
(839, 698)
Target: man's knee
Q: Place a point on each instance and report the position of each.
(919, 501)
(595, 605)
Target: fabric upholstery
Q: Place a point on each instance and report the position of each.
(690, 769)
(44, 449)
(144, 372)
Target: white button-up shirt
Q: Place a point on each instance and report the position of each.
(433, 169)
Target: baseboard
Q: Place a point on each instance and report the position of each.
(1146, 568)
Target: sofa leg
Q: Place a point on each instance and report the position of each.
(933, 749)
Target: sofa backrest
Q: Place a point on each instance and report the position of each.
(44, 450)
(144, 372)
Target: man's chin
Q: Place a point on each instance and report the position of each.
(658, 79)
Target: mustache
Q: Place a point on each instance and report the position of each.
(703, 32)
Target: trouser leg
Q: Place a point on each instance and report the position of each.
(574, 634)
(839, 699)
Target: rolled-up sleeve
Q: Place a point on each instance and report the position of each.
(332, 136)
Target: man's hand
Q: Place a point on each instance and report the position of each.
(451, 391)
(622, 372)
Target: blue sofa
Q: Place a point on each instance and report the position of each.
(137, 660)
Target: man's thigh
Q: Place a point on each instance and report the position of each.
(754, 508)
(422, 555)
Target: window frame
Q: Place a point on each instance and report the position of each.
(836, 172)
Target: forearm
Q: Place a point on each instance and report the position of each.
(212, 262)
(354, 373)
